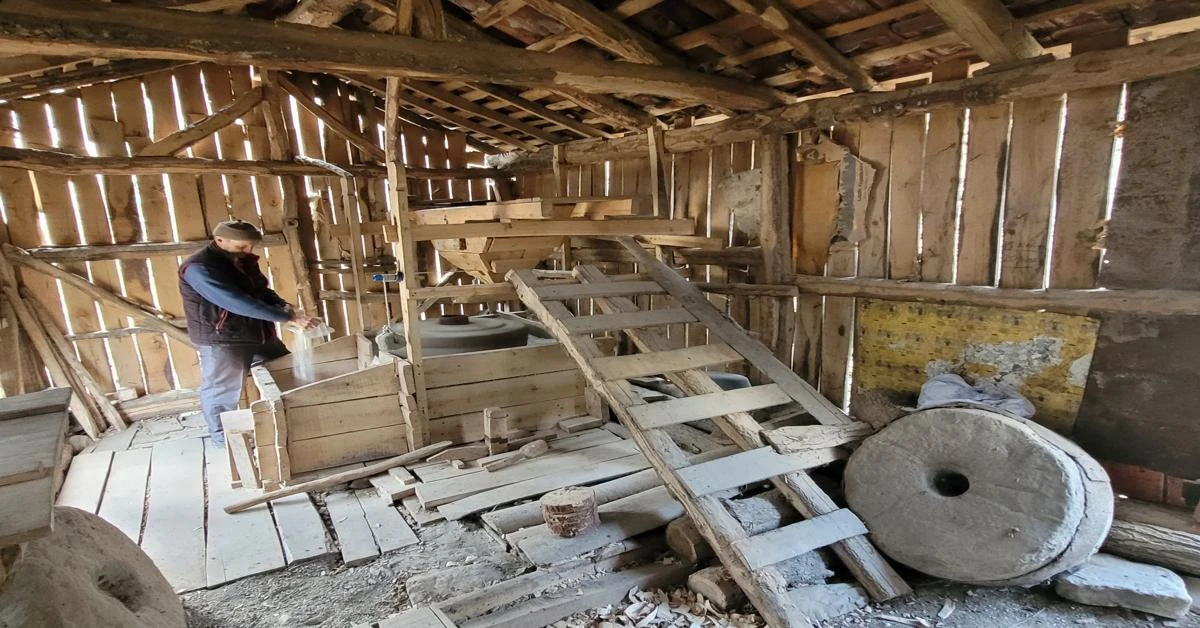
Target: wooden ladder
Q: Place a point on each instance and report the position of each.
(752, 560)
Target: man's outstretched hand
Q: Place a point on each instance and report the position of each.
(300, 321)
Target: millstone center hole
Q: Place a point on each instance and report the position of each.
(950, 483)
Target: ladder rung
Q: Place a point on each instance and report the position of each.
(778, 545)
(708, 406)
(800, 438)
(742, 468)
(641, 364)
(629, 320)
(594, 290)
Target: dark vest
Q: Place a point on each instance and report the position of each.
(210, 324)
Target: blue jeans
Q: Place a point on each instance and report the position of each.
(223, 371)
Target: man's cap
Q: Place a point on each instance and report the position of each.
(238, 230)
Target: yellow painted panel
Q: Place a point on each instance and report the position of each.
(1043, 355)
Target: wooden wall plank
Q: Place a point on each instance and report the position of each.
(1030, 191)
(837, 328)
(119, 215)
(1083, 177)
(940, 182)
(987, 155)
(187, 221)
(874, 146)
(908, 151)
(152, 203)
(57, 209)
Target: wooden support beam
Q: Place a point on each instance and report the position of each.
(341, 128)
(605, 31)
(989, 28)
(610, 108)
(121, 304)
(139, 250)
(778, 19)
(1170, 55)
(405, 249)
(458, 102)
(1066, 301)
(531, 228)
(91, 422)
(201, 129)
(75, 165)
(115, 31)
(299, 232)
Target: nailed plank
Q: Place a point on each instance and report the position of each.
(301, 531)
(26, 512)
(581, 440)
(84, 484)
(544, 484)
(590, 290)
(780, 544)
(526, 389)
(420, 515)
(369, 382)
(241, 544)
(908, 150)
(174, 535)
(443, 492)
(642, 364)
(391, 489)
(580, 423)
(390, 530)
(354, 536)
(124, 500)
(534, 228)
(118, 441)
(708, 406)
(1030, 194)
(801, 438)
(737, 470)
(41, 402)
(987, 148)
(29, 446)
(634, 320)
(479, 366)
(619, 520)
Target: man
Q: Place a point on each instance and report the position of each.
(231, 316)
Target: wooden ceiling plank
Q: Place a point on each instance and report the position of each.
(458, 102)
(605, 31)
(778, 19)
(462, 122)
(75, 27)
(989, 28)
(498, 13)
(630, 8)
(541, 111)
(375, 89)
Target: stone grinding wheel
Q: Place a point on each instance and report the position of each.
(979, 497)
(87, 573)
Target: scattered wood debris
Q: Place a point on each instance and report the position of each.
(658, 608)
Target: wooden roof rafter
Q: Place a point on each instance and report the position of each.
(989, 28)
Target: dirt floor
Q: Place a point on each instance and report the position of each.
(458, 557)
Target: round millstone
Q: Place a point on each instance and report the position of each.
(979, 497)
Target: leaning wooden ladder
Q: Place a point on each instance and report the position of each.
(752, 560)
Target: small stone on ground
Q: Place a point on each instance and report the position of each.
(1106, 580)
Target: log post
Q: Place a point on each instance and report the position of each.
(570, 511)
(1173, 549)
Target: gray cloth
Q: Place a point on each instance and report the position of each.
(949, 389)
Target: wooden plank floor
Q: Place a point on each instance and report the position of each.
(155, 488)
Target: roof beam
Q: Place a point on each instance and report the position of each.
(1100, 68)
(605, 31)
(989, 28)
(74, 27)
(359, 140)
(451, 99)
(461, 121)
(539, 110)
(779, 20)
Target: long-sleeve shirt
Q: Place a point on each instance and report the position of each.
(236, 301)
